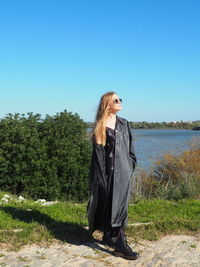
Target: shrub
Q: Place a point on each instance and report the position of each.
(46, 158)
(174, 177)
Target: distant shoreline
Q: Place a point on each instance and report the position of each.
(167, 128)
(164, 128)
(181, 125)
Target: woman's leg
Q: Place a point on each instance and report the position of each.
(110, 233)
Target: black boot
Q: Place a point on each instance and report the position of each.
(123, 250)
(109, 240)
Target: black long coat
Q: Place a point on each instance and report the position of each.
(125, 161)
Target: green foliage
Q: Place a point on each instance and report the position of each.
(46, 158)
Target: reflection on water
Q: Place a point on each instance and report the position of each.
(150, 144)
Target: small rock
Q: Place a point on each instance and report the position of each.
(4, 199)
(7, 196)
(40, 200)
(139, 224)
(11, 230)
(21, 198)
(48, 203)
(17, 230)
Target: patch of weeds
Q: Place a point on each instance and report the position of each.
(100, 253)
(107, 263)
(2, 264)
(66, 251)
(24, 259)
(193, 246)
(1, 255)
(183, 242)
(40, 256)
(100, 259)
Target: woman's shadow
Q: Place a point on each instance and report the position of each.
(69, 232)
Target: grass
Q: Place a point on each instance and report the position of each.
(66, 222)
(167, 217)
(63, 221)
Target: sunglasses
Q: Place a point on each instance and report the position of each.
(117, 101)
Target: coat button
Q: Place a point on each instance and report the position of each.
(115, 170)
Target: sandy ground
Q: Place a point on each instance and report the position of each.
(169, 251)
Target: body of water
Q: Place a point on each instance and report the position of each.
(151, 144)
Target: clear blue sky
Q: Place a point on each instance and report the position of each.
(57, 55)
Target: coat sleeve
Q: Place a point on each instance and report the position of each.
(131, 148)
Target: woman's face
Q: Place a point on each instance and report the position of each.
(116, 104)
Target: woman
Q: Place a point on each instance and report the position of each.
(112, 165)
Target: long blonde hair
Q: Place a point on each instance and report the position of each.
(102, 114)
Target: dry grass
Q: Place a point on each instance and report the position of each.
(174, 176)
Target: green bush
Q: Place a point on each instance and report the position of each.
(45, 158)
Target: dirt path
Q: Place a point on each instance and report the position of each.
(170, 251)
